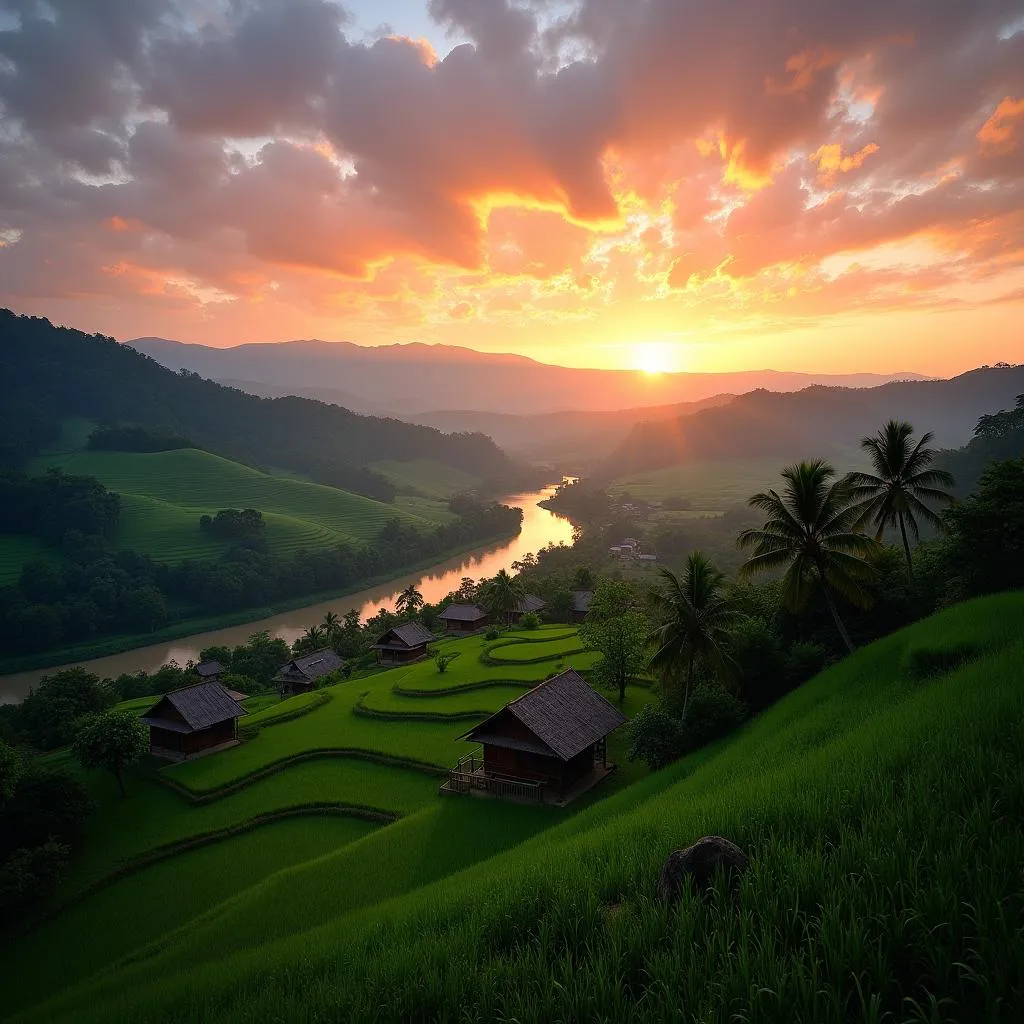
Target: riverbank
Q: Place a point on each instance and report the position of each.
(186, 627)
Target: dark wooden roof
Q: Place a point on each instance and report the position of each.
(312, 666)
(200, 706)
(530, 603)
(565, 713)
(581, 600)
(206, 669)
(463, 613)
(407, 635)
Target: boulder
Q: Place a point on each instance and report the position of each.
(697, 865)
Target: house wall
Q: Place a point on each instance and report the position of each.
(397, 657)
(222, 732)
(164, 739)
(458, 626)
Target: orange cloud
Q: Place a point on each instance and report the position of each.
(830, 159)
(999, 134)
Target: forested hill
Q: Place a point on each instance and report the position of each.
(53, 372)
(803, 422)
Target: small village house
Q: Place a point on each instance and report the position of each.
(193, 721)
(403, 643)
(209, 671)
(463, 618)
(301, 675)
(547, 745)
(581, 604)
(530, 605)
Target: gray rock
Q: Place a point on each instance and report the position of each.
(697, 864)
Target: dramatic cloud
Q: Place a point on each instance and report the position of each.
(592, 175)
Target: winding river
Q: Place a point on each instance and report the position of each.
(540, 528)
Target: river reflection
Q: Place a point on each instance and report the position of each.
(540, 528)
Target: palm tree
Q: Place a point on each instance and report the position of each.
(895, 494)
(695, 622)
(409, 601)
(313, 635)
(502, 595)
(812, 533)
(331, 622)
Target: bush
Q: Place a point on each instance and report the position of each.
(493, 633)
(712, 712)
(28, 876)
(48, 803)
(530, 620)
(442, 661)
(804, 661)
(927, 662)
(655, 737)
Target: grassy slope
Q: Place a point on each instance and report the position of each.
(431, 479)
(881, 813)
(166, 492)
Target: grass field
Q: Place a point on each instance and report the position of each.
(428, 478)
(328, 758)
(165, 493)
(880, 810)
(17, 549)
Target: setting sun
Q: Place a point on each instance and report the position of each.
(652, 359)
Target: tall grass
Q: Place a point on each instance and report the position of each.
(882, 815)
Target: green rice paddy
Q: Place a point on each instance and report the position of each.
(430, 479)
(880, 810)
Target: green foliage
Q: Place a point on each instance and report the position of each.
(927, 662)
(11, 766)
(133, 437)
(618, 632)
(986, 531)
(529, 620)
(47, 803)
(51, 713)
(29, 876)
(655, 737)
(112, 741)
(492, 633)
(234, 523)
(442, 660)
(501, 595)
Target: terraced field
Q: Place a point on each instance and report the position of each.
(299, 800)
(431, 479)
(165, 493)
(16, 550)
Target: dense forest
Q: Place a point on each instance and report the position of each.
(53, 372)
(96, 592)
(773, 423)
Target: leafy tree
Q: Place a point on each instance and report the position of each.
(531, 620)
(30, 875)
(501, 595)
(695, 619)
(10, 771)
(409, 601)
(656, 737)
(51, 712)
(617, 630)
(895, 495)
(113, 741)
(811, 534)
(48, 802)
(986, 531)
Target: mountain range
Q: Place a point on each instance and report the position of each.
(411, 380)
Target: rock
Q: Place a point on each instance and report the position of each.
(697, 864)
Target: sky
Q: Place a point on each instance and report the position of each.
(663, 185)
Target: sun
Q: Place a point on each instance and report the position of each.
(651, 358)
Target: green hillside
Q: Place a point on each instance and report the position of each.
(427, 478)
(165, 493)
(880, 808)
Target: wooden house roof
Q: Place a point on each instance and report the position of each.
(407, 635)
(463, 613)
(197, 707)
(531, 603)
(312, 666)
(564, 713)
(208, 669)
(581, 600)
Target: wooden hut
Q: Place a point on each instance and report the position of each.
(549, 744)
(406, 642)
(209, 671)
(531, 604)
(193, 721)
(581, 604)
(463, 618)
(300, 675)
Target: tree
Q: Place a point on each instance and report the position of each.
(409, 601)
(617, 630)
(10, 771)
(331, 623)
(113, 741)
(986, 531)
(695, 620)
(811, 533)
(895, 494)
(501, 595)
(52, 710)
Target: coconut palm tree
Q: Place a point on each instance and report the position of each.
(811, 532)
(330, 622)
(313, 636)
(409, 601)
(501, 595)
(895, 494)
(695, 620)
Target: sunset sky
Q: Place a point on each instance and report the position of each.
(665, 185)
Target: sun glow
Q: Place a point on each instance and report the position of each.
(652, 359)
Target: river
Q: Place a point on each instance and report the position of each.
(540, 528)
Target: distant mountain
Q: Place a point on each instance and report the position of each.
(332, 396)
(806, 423)
(573, 439)
(415, 379)
(55, 372)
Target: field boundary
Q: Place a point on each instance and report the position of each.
(488, 657)
(198, 797)
(249, 732)
(450, 691)
(359, 708)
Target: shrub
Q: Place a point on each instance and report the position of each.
(713, 712)
(530, 621)
(804, 661)
(655, 737)
(927, 662)
(442, 661)
(493, 633)
(47, 803)
(29, 875)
